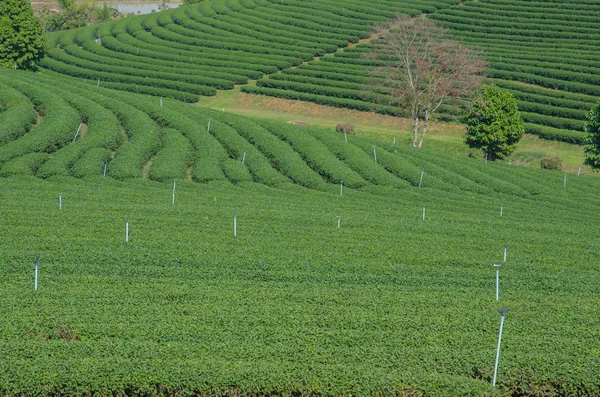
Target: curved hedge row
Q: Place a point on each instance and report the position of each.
(18, 116)
(56, 128)
(173, 159)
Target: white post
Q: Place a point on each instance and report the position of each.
(501, 210)
(421, 180)
(60, 201)
(208, 128)
(174, 187)
(394, 140)
(35, 281)
(223, 109)
(497, 266)
(375, 153)
(579, 172)
(105, 164)
(423, 212)
(505, 248)
(339, 218)
(235, 224)
(565, 181)
(98, 85)
(345, 137)
(127, 230)
(77, 133)
(244, 157)
(161, 102)
(502, 313)
(341, 188)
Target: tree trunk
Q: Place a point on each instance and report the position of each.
(424, 128)
(415, 130)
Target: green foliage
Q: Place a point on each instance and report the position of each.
(173, 159)
(592, 140)
(22, 39)
(72, 14)
(494, 124)
(91, 163)
(27, 164)
(388, 304)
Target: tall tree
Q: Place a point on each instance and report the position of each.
(424, 68)
(592, 141)
(22, 39)
(494, 124)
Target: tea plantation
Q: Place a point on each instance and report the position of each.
(544, 52)
(397, 300)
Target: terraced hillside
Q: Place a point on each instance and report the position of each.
(194, 50)
(542, 52)
(399, 299)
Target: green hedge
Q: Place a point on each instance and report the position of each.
(173, 159)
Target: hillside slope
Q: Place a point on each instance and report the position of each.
(193, 51)
(343, 277)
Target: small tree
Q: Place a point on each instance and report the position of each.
(494, 124)
(22, 39)
(424, 68)
(592, 141)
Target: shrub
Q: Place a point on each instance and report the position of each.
(551, 163)
(345, 127)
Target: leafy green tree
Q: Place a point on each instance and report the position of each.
(22, 39)
(592, 141)
(494, 124)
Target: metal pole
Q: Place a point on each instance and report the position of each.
(77, 133)
(345, 137)
(502, 313)
(375, 153)
(127, 230)
(505, 248)
(497, 266)
(60, 201)
(235, 224)
(339, 221)
(208, 129)
(105, 164)
(423, 212)
(394, 140)
(161, 102)
(421, 180)
(35, 282)
(501, 210)
(244, 157)
(174, 187)
(565, 181)
(98, 85)
(579, 172)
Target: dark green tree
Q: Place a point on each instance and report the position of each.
(22, 39)
(592, 141)
(493, 121)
